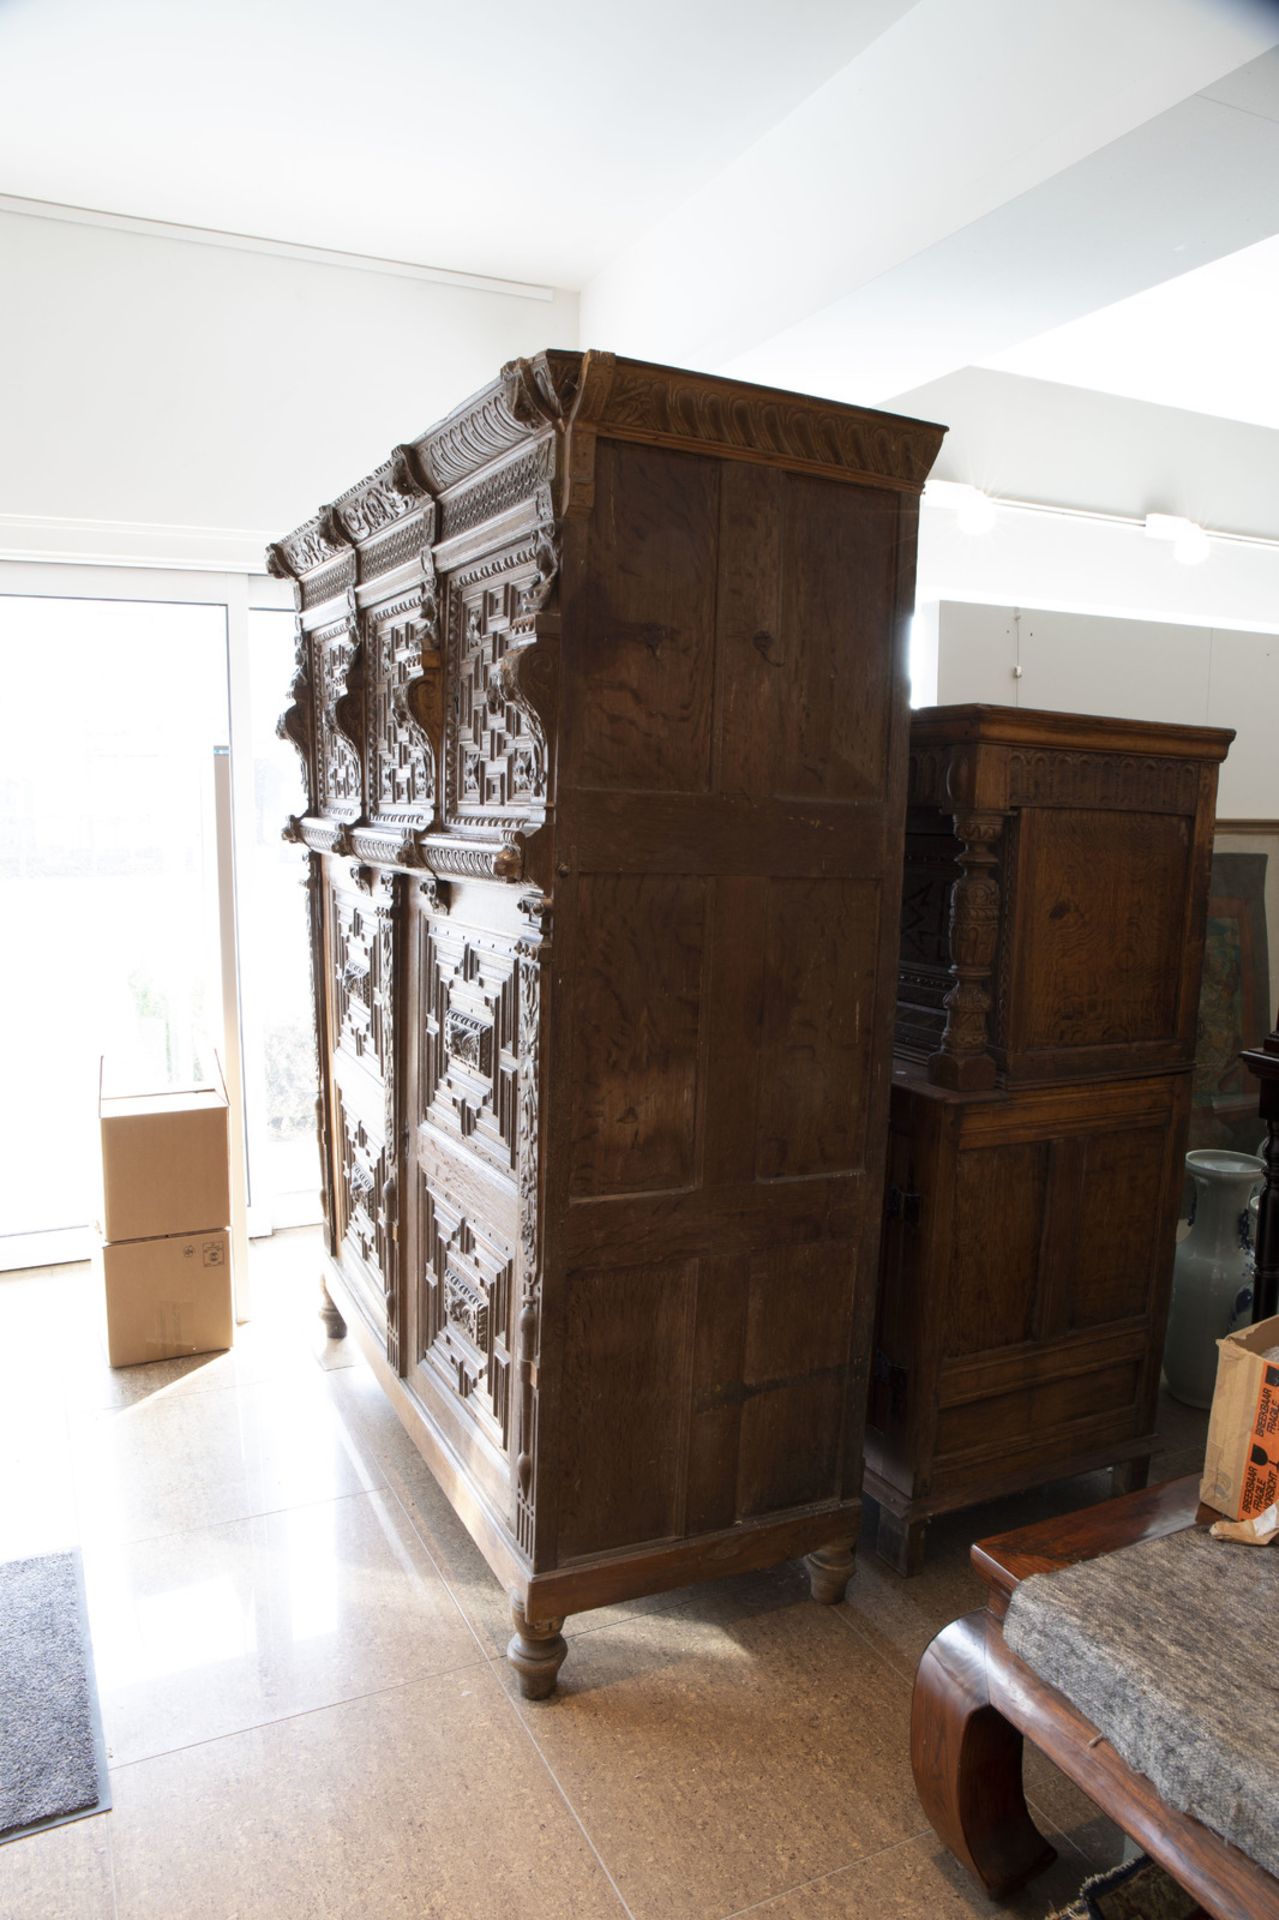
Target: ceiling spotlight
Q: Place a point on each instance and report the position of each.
(974, 511)
(1190, 544)
(977, 512)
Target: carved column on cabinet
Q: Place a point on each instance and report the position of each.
(964, 1059)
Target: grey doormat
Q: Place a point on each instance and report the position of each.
(52, 1757)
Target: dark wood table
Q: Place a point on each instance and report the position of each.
(975, 1702)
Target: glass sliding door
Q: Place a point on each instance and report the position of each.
(107, 878)
(279, 1028)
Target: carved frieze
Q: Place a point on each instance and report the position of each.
(660, 404)
(498, 490)
(1045, 776)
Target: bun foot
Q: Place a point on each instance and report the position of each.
(829, 1571)
(334, 1324)
(536, 1652)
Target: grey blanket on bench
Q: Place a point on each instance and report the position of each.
(1171, 1649)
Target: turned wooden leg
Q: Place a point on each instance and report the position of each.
(900, 1542)
(334, 1324)
(536, 1651)
(967, 1762)
(1130, 1476)
(829, 1571)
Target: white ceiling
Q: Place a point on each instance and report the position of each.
(488, 136)
(1208, 341)
(854, 197)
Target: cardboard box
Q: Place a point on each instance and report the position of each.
(1241, 1466)
(164, 1162)
(167, 1297)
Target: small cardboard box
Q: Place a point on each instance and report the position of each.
(164, 1162)
(167, 1297)
(1241, 1466)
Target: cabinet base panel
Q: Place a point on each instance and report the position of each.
(827, 1533)
(902, 1519)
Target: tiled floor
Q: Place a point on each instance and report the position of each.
(299, 1654)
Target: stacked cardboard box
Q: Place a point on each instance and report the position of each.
(165, 1251)
(1241, 1467)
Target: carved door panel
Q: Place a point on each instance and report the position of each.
(361, 1041)
(465, 1257)
(400, 753)
(336, 678)
(497, 759)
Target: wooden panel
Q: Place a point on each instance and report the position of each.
(636, 1016)
(1119, 1231)
(1000, 1197)
(989, 1425)
(805, 576)
(1099, 935)
(627, 1336)
(647, 622)
(795, 1376)
(818, 1029)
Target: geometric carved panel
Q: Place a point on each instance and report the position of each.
(362, 956)
(340, 780)
(401, 761)
(363, 1177)
(497, 752)
(464, 1311)
(469, 1039)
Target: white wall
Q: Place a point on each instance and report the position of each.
(158, 381)
(1134, 669)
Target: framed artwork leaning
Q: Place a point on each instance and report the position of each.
(1240, 991)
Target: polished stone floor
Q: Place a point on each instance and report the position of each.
(299, 1654)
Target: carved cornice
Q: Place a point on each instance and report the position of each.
(664, 405)
(528, 398)
(314, 544)
(388, 495)
(539, 398)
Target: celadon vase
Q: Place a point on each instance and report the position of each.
(1213, 1271)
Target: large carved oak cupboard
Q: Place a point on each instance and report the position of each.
(601, 697)
(1055, 897)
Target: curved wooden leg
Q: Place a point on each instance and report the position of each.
(536, 1651)
(829, 1571)
(334, 1324)
(967, 1762)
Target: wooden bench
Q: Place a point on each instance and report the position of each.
(975, 1702)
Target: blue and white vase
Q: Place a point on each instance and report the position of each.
(1213, 1271)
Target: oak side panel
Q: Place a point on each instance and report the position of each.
(644, 699)
(821, 946)
(638, 1009)
(624, 1406)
